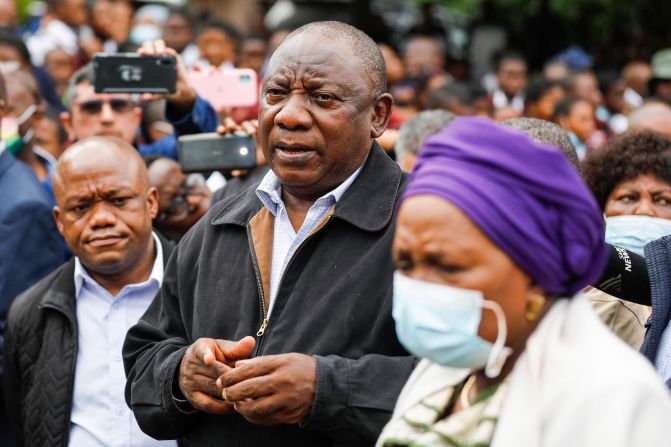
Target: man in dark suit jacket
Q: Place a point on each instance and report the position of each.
(30, 245)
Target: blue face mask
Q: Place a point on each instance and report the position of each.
(440, 323)
(633, 232)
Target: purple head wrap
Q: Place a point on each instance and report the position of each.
(525, 196)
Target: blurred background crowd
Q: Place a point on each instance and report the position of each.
(595, 68)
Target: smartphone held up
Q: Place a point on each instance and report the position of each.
(132, 73)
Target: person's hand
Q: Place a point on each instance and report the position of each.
(185, 95)
(273, 389)
(250, 128)
(203, 362)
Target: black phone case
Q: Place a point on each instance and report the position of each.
(212, 152)
(132, 73)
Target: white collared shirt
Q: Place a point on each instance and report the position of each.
(100, 416)
(285, 239)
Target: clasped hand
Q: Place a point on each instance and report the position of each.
(266, 390)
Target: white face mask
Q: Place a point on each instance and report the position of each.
(633, 232)
(441, 323)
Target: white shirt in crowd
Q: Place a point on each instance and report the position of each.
(100, 416)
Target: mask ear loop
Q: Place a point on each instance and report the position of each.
(500, 352)
(26, 114)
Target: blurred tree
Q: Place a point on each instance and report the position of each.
(612, 30)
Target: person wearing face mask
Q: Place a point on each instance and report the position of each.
(512, 353)
(631, 180)
(18, 127)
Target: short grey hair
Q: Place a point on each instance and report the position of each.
(417, 129)
(81, 76)
(546, 132)
(363, 48)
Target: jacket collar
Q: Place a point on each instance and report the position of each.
(367, 204)
(61, 293)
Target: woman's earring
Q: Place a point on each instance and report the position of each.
(535, 306)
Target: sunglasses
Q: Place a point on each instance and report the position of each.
(95, 106)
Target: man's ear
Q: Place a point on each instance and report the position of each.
(381, 113)
(152, 201)
(66, 122)
(57, 217)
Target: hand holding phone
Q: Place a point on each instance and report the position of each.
(183, 98)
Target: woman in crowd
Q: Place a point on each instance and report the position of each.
(511, 357)
(631, 179)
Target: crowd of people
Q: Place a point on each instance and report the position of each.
(419, 258)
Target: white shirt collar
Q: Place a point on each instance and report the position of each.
(82, 275)
(269, 190)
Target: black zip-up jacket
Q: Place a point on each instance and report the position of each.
(40, 357)
(334, 302)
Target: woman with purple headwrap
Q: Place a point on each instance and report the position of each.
(496, 235)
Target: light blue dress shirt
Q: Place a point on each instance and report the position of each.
(285, 239)
(663, 358)
(100, 416)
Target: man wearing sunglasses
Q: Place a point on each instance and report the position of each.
(119, 114)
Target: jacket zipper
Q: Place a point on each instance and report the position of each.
(259, 285)
(264, 323)
(73, 366)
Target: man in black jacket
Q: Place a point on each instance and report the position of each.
(296, 269)
(64, 376)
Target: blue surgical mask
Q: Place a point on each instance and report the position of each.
(144, 32)
(633, 232)
(440, 323)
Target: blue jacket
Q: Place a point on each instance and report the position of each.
(202, 118)
(658, 260)
(30, 245)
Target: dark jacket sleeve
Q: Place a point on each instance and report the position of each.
(31, 248)
(11, 382)
(152, 352)
(202, 118)
(354, 399)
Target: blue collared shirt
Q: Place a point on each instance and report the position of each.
(285, 239)
(100, 416)
(663, 357)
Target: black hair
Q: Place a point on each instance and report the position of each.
(440, 97)
(565, 106)
(539, 87)
(175, 11)
(9, 38)
(507, 55)
(625, 158)
(229, 30)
